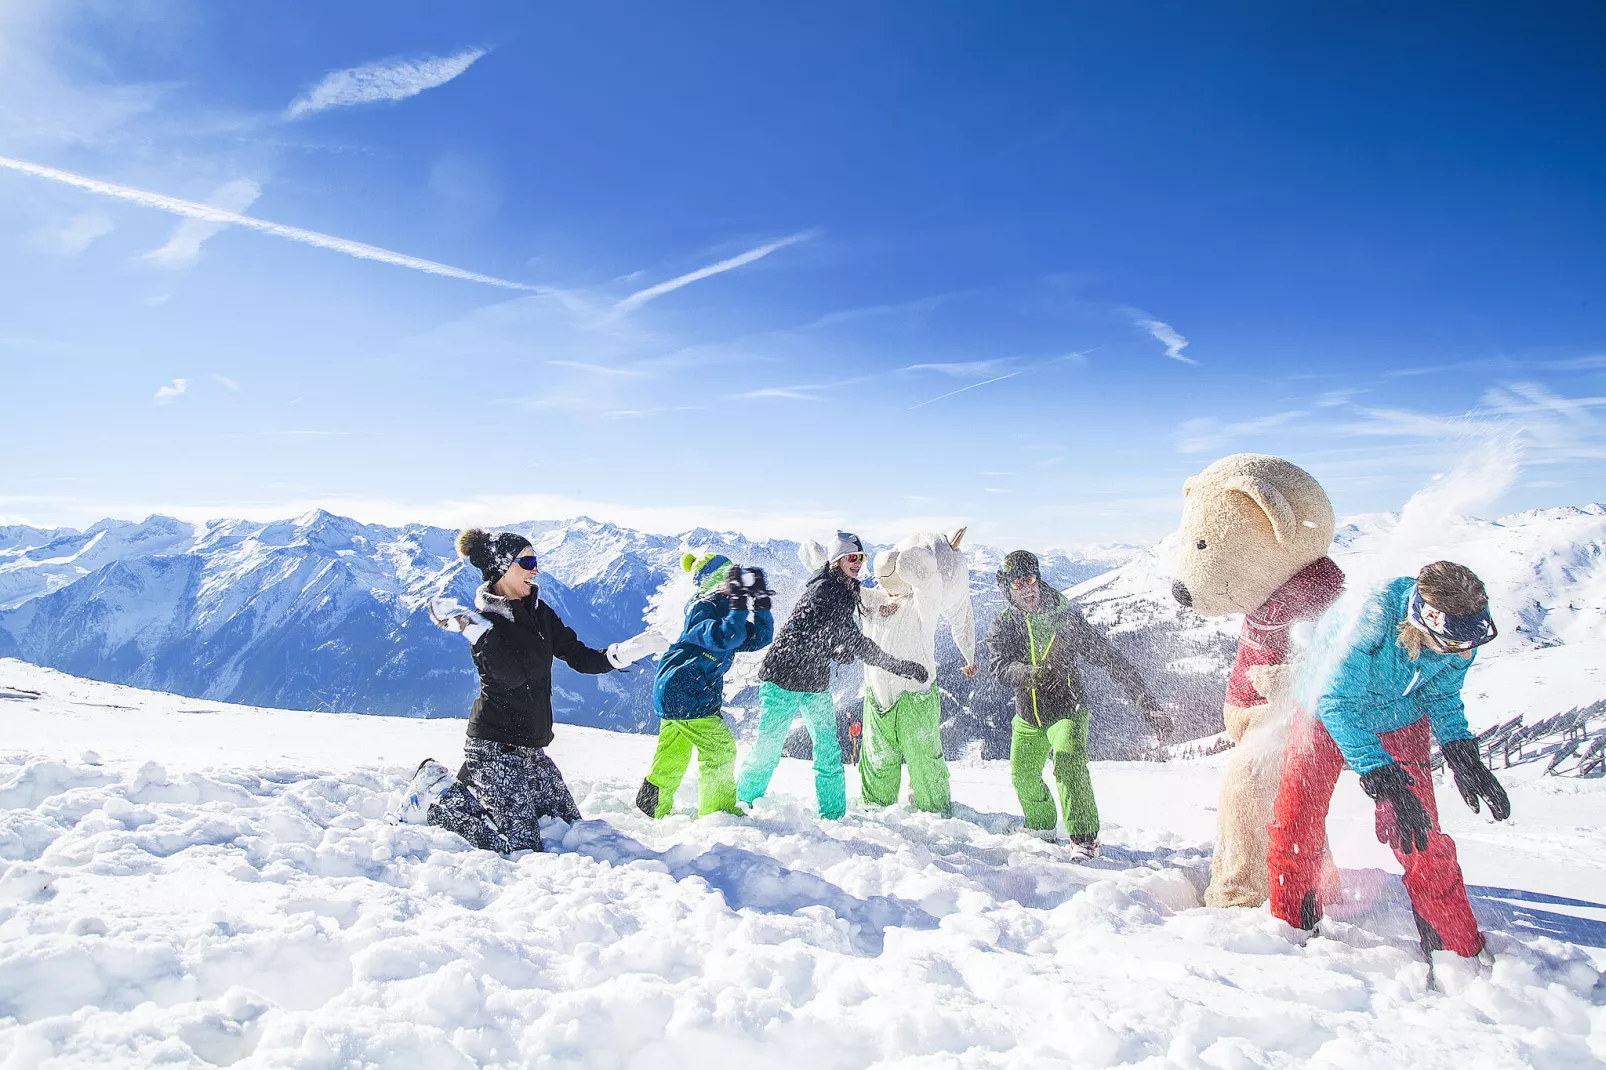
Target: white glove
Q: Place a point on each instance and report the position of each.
(448, 613)
(629, 651)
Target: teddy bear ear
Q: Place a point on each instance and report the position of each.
(1284, 524)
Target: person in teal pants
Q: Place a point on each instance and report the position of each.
(795, 678)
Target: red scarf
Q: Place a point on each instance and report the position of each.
(1264, 638)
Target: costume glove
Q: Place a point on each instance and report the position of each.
(628, 651)
(1473, 779)
(1404, 822)
(448, 613)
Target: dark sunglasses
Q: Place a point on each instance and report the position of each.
(1023, 581)
(526, 563)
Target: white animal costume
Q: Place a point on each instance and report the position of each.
(920, 579)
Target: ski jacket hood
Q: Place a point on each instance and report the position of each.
(1056, 635)
(1366, 685)
(691, 677)
(514, 662)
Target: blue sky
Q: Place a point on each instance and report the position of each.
(883, 266)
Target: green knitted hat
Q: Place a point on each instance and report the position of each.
(707, 570)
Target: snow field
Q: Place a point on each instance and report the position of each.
(245, 903)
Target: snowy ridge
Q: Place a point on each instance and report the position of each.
(216, 885)
(323, 612)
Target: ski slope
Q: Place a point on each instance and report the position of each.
(187, 883)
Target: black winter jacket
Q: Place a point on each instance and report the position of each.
(514, 660)
(1059, 637)
(823, 628)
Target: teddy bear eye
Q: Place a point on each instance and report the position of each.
(1200, 545)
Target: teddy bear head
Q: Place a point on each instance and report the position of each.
(1250, 523)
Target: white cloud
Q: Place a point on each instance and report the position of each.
(215, 214)
(170, 393)
(961, 390)
(1208, 433)
(1334, 398)
(1163, 333)
(184, 246)
(386, 79)
(231, 385)
(959, 369)
(75, 236)
(641, 297)
(793, 393)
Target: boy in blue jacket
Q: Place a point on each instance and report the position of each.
(689, 689)
(1398, 678)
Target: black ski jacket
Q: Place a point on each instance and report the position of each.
(514, 660)
(1059, 637)
(823, 628)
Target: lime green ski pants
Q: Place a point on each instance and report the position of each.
(1029, 748)
(911, 731)
(716, 760)
(778, 708)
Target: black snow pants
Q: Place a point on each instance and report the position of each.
(516, 786)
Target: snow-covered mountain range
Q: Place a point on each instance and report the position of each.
(324, 612)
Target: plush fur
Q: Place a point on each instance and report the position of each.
(1251, 523)
(929, 578)
(1261, 519)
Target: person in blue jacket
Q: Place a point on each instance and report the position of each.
(1398, 679)
(688, 691)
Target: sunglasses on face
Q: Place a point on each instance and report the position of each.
(1022, 582)
(853, 559)
(526, 563)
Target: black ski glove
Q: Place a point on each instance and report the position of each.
(733, 588)
(913, 670)
(1473, 779)
(1405, 820)
(760, 588)
(738, 601)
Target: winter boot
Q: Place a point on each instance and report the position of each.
(1086, 846)
(430, 781)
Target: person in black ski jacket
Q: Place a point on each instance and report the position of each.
(514, 637)
(1035, 647)
(796, 676)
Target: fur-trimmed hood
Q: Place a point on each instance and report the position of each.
(488, 601)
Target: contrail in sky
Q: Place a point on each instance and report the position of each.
(961, 390)
(641, 297)
(212, 214)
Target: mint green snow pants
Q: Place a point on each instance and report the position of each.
(1029, 749)
(911, 731)
(778, 708)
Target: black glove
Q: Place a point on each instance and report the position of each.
(738, 601)
(913, 670)
(757, 583)
(1473, 779)
(761, 601)
(1405, 820)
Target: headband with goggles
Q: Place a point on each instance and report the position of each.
(1454, 634)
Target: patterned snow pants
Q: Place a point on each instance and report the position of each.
(517, 786)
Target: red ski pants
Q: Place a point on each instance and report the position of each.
(1311, 766)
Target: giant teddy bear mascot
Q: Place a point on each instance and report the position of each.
(1254, 539)
(921, 578)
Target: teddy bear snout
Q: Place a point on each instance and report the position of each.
(1179, 591)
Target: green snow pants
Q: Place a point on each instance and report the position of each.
(1029, 749)
(716, 759)
(778, 708)
(911, 732)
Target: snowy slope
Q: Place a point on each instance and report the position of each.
(215, 885)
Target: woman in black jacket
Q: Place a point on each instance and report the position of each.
(796, 676)
(514, 637)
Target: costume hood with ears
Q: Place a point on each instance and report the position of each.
(1250, 523)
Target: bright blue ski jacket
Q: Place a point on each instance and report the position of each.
(691, 677)
(1376, 687)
